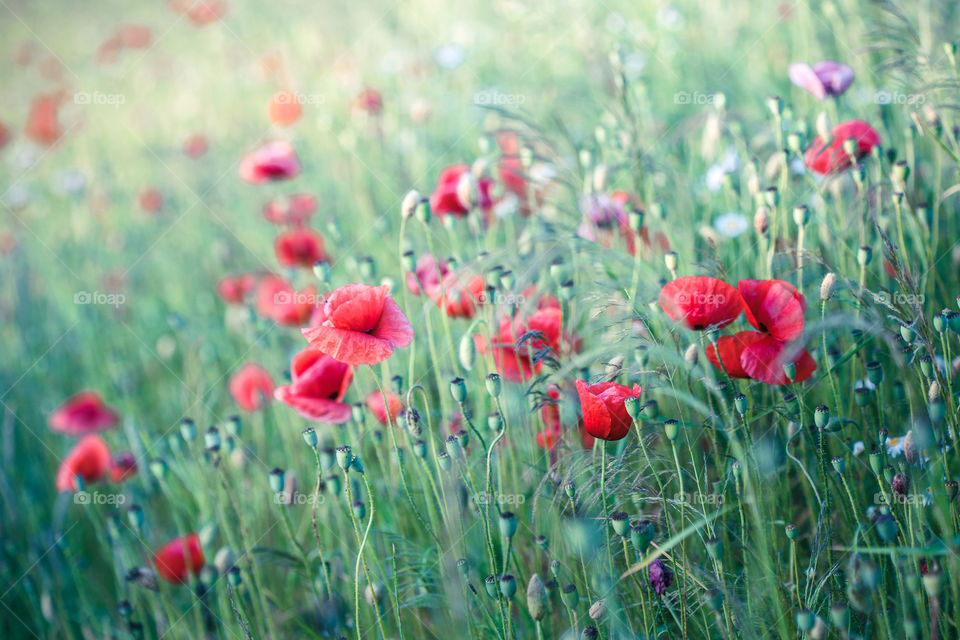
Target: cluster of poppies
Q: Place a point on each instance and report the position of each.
(773, 307)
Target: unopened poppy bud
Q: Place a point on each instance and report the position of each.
(740, 403)
(135, 517)
(775, 105)
(310, 437)
(494, 422)
(467, 353)
(359, 510)
(468, 193)
(158, 467)
(671, 259)
(570, 596)
(597, 610)
(671, 429)
(409, 203)
(537, 599)
(491, 586)
(761, 220)
(850, 147)
(409, 261)
(827, 286)
(493, 385)
(344, 457)
(508, 524)
(422, 211)
(211, 439)
(411, 419)
(276, 480)
(188, 429)
(458, 389)
(864, 256)
(801, 215)
(691, 355)
(508, 586)
(771, 197)
(620, 522)
(567, 290)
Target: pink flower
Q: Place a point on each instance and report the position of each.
(272, 162)
(83, 413)
(251, 387)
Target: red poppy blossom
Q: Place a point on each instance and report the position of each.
(368, 101)
(284, 108)
(379, 410)
(516, 363)
(510, 167)
(429, 272)
(43, 120)
(764, 359)
(318, 386)
(180, 557)
(251, 387)
(89, 459)
(359, 324)
(123, 466)
(604, 415)
(700, 302)
(234, 289)
(272, 162)
(280, 302)
(299, 248)
(774, 307)
(4, 135)
(457, 298)
(134, 36)
(825, 159)
(294, 210)
(445, 198)
(195, 145)
(83, 413)
(731, 348)
(204, 12)
(150, 200)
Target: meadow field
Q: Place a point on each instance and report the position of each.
(482, 319)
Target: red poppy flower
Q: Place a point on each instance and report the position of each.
(284, 108)
(516, 363)
(43, 123)
(272, 162)
(280, 302)
(234, 289)
(544, 300)
(251, 387)
(180, 557)
(123, 466)
(824, 159)
(551, 434)
(195, 145)
(150, 200)
(134, 36)
(427, 274)
(359, 324)
(368, 101)
(83, 413)
(318, 386)
(456, 298)
(376, 406)
(510, 168)
(604, 415)
(549, 437)
(731, 348)
(701, 302)
(774, 307)
(763, 360)
(444, 198)
(89, 459)
(293, 210)
(4, 135)
(204, 12)
(299, 248)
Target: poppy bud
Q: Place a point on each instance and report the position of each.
(490, 584)
(827, 285)
(494, 422)
(659, 210)
(620, 522)
(411, 418)
(276, 480)
(508, 524)
(821, 416)
(795, 142)
(234, 426)
(801, 215)
(310, 437)
(508, 586)
(344, 457)
(327, 458)
(790, 370)
(864, 256)
(761, 220)
(570, 596)
(597, 610)
(670, 259)
(409, 204)
(635, 220)
(321, 270)
(211, 439)
(467, 353)
(899, 173)
(493, 385)
(537, 599)
(641, 534)
(420, 449)
(468, 193)
(422, 211)
(356, 412)
(188, 429)
(671, 429)
(158, 467)
(458, 389)
(335, 484)
(740, 403)
(850, 147)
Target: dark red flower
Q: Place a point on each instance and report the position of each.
(764, 359)
(700, 302)
(318, 386)
(294, 210)
(180, 557)
(272, 162)
(445, 198)
(299, 248)
(731, 349)
(280, 302)
(660, 575)
(379, 410)
(89, 459)
(234, 289)
(83, 413)
(124, 466)
(601, 406)
(824, 158)
(251, 387)
(774, 307)
(359, 324)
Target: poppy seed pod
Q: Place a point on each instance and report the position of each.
(641, 534)
(874, 372)
(838, 464)
(463, 567)
(356, 465)
(570, 489)
(453, 447)
(589, 633)
(508, 586)
(409, 203)
(276, 480)
(422, 211)
(359, 510)
(491, 586)
(651, 410)
(543, 542)
(344, 456)
(458, 389)
(508, 524)
(801, 215)
(740, 403)
(570, 596)
(886, 526)
(632, 406)
(444, 461)
(620, 522)
(211, 439)
(537, 599)
(494, 422)
(821, 416)
(671, 260)
(792, 532)
(310, 437)
(671, 429)
(493, 385)
(864, 256)
(420, 449)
